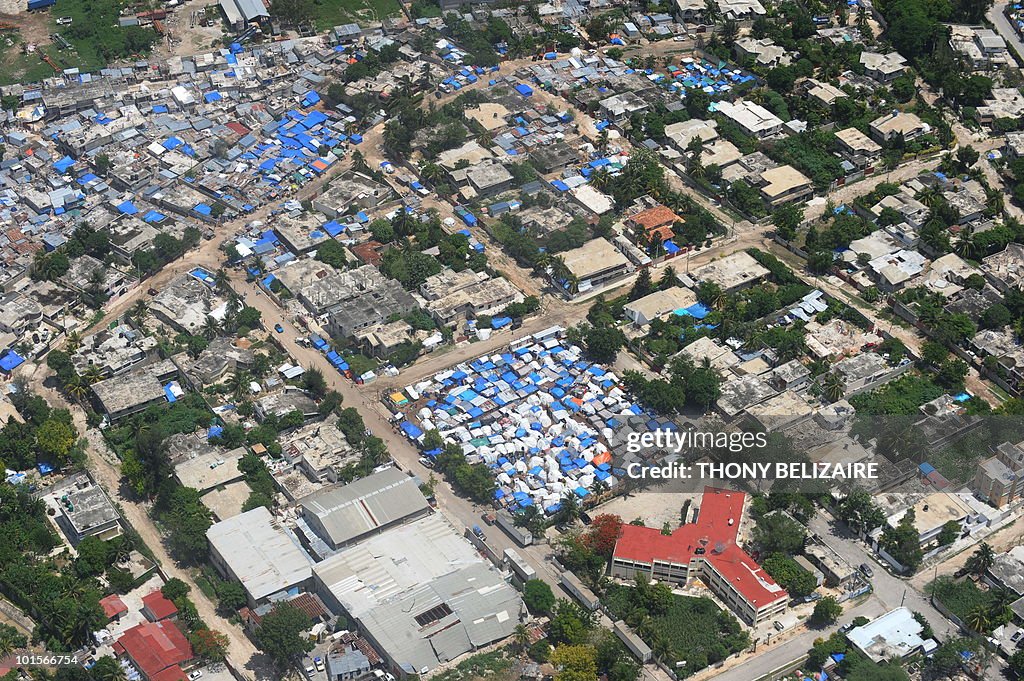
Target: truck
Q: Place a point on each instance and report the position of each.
(520, 568)
(40, 4)
(579, 590)
(479, 533)
(521, 535)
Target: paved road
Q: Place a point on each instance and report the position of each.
(890, 590)
(1002, 24)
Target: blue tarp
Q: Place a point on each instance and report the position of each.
(170, 395)
(214, 431)
(411, 430)
(10, 360)
(63, 164)
(202, 209)
(153, 216)
(524, 90)
(212, 97)
(128, 208)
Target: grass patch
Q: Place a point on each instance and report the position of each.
(902, 396)
(478, 666)
(963, 598)
(692, 629)
(360, 364)
(96, 36)
(330, 13)
(958, 462)
(206, 587)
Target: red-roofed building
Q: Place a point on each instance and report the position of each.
(655, 223)
(113, 607)
(158, 607)
(173, 673)
(155, 647)
(707, 550)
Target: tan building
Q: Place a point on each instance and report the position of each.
(784, 184)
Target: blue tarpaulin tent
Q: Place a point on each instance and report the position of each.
(63, 164)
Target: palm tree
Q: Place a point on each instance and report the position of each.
(221, 280)
(572, 284)
(930, 196)
(600, 178)
(74, 341)
(139, 312)
(239, 383)
(521, 636)
(834, 386)
(109, 669)
(10, 640)
(981, 560)
(485, 139)
(569, 508)
(965, 246)
(978, 619)
(76, 388)
(211, 328)
(92, 374)
(662, 648)
(431, 172)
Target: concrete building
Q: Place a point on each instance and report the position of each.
(254, 549)
(347, 513)
(1005, 269)
(85, 511)
(784, 184)
(135, 391)
(999, 479)
(621, 106)
(863, 371)
(284, 402)
(210, 469)
(858, 148)
(1005, 102)
(707, 550)
(981, 48)
(684, 132)
(894, 635)
(658, 305)
(420, 593)
(763, 52)
(351, 193)
(733, 272)
(319, 450)
(884, 68)
(186, 302)
(450, 296)
(898, 123)
(740, 9)
(754, 119)
(595, 263)
(374, 306)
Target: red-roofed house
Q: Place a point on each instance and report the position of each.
(155, 648)
(655, 223)
(113, 607)
(158, 607)
(706, 550)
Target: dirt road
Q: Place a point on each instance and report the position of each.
(104, 465)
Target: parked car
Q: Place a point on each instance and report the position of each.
(195, 675)
(278, 328)
(866, 569)
(64, 21)
(479, 533)
(489, 518)
(1017, 635)
(427, 461)
(846, 627)
(779, 626)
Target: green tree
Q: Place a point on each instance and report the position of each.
(826, 611)
(778, 533)
(903, 542)
(280, 635)
(175, 589)
(332, 253)
(538, 597)
(55, 438)
(187, 522)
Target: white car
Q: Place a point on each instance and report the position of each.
(64, 21)
(195, 675)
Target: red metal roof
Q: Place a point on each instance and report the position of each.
(159, 606)
(714, 534)
(173, 673)
(113, 606)
(154, 646)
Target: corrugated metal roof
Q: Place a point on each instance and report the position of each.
(350, 511)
